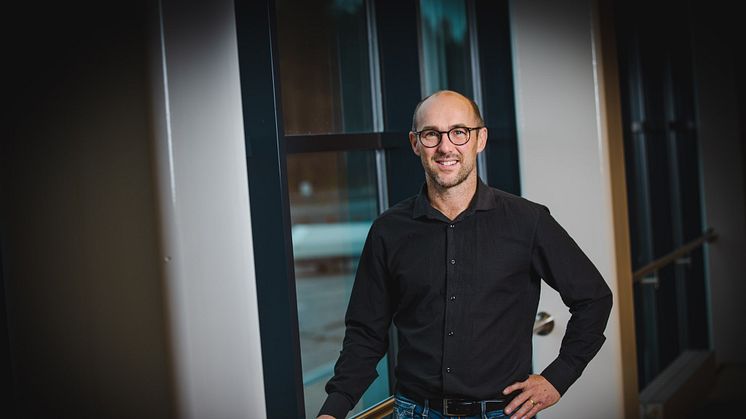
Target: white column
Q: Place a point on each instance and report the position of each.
(202, 186)
(564, 164)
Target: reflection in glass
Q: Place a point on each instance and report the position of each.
(333, 201)
(324, 66)
(446, 59)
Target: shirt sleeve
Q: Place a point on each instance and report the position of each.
(366, 338)
(563, 266)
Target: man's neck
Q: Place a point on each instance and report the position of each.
(454, 200)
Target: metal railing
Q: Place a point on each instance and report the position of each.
(642, 274)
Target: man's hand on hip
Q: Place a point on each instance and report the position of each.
(536, 394)
(325, 417)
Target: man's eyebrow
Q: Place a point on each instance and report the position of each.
(432, 127)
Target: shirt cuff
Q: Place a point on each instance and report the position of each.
(560, 375)
(336, 405)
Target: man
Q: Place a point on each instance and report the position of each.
(458, 269)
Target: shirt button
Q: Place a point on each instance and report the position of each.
(453, 298)
(453, 261)
(448, 369)
(450, 333)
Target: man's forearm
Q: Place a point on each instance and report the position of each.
(583, 339)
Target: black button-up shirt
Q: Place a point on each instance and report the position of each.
(463, 296)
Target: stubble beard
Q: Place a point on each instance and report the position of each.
(442, 184)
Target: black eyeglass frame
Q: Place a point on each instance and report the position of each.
(448, 134)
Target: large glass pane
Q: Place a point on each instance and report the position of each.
(671, 307)
(446, 55)
(324, 66)
(333, 201)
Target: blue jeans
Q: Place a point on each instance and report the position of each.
(405, 408)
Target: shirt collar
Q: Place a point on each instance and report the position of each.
(482, 201)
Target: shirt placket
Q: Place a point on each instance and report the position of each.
(449, 332)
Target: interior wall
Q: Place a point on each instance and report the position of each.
(716, 53)
(79, 232)
(565, 165)
(125, 226)
(203, 207)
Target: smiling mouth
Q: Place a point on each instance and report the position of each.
(446, 163)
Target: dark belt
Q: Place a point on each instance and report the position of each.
(461, 407)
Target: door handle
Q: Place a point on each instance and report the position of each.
(544, 324)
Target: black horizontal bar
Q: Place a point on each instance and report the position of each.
(345, 142)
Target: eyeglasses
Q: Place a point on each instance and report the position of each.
(430, 138)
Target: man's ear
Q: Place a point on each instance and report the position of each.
(413, 142)
(482, 136)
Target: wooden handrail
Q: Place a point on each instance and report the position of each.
(654, 266)
(379, 410)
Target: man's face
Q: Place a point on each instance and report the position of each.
(448, 165)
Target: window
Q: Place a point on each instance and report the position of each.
(445, 46)
(663, 184)
(325, 78)
(324, 66)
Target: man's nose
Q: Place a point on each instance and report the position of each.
(445, 143)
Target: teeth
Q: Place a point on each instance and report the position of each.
(448, 162)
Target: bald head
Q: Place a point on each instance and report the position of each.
(474, 107)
